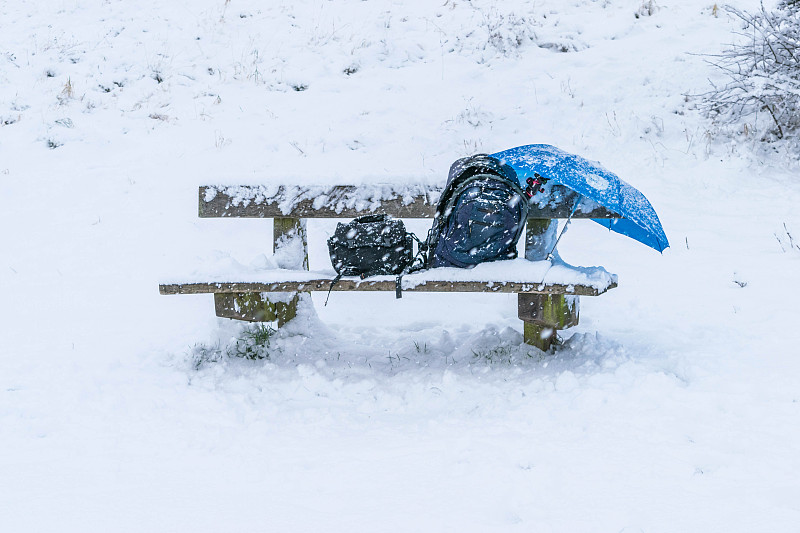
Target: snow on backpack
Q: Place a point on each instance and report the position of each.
(480, 216)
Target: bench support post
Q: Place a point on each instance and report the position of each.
(287, 232)
(544, 314)
(539, 336)
(254, 307)
(257, 307)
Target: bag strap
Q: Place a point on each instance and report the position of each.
(420, 260)
(334, 282)
(376, 217)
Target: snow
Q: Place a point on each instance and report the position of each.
(222, 268)
(673, 406)
(362, 196)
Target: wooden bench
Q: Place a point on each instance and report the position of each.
(544, 308)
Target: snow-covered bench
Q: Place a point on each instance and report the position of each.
(548, 292)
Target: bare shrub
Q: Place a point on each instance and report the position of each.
(647, 9)
(507, 32)
(762, 93)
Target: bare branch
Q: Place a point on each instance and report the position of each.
(763, 70)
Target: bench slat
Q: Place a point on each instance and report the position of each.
(249, 202)
(223, 205)
(346, 284)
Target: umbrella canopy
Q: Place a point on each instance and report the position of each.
(587, 178)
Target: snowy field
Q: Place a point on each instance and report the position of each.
(673, 407)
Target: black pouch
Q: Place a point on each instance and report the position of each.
(371, 245)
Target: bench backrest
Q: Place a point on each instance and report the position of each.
(348, 201)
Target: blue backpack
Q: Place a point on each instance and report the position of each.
(480, 216)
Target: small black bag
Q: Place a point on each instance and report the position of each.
(371, 245)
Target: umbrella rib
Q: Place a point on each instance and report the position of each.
(564, 229)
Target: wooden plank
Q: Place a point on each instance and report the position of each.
(223, 205)
(215, 202)
(350, 284)
(563, 212)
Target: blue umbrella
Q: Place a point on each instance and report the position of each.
(639, 220)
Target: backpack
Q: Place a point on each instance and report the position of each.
(480, 215)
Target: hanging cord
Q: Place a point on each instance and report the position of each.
(334, 282)
(433, 231)
(419, 262)
(564, 229)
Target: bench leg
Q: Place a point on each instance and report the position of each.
(541, 337)
(540, 237)
(289, 232)
(254, 307)
(544, 314)
(291, 251)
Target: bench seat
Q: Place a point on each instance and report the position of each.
(515, 276)
(409, 284)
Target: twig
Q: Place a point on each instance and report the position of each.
(293, 143)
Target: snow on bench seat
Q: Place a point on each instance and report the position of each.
(514, 276)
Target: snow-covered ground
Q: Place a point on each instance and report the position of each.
(673, 406)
